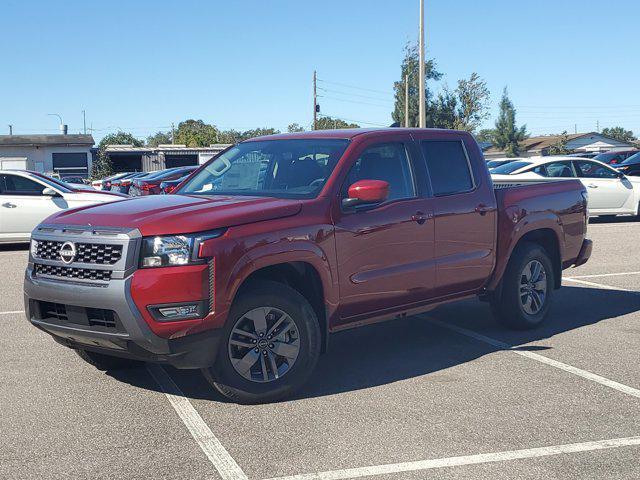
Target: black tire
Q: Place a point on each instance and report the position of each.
(107, 362)
(508, 308)
(231, 384)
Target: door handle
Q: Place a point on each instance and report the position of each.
(482, 209)
(420, 217)
(591, 185)
(9, 205)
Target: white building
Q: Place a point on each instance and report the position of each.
(578, 143)
(63, 154)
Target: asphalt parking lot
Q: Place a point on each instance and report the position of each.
(445, 395)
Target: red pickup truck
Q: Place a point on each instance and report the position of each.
(280, 241)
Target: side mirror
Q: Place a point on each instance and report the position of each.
(50, 192)
(367, 192)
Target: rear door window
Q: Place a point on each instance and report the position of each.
(448, 167)
(559, 170)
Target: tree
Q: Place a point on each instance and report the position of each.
(159, 138)
(196, 133)
(258, 132)
(486, 135)
(442, 111)
(473, 103)
(103, 167)
(507, 135)
(411, 67)
(327, 123)
(294, 127)
(619, 133)
(560, 147)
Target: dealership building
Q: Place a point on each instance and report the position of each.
(127, 158)
(62, 154)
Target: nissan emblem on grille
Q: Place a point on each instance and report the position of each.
(68, 252)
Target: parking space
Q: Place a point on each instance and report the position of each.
(448, 394)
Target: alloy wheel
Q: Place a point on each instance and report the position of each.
(264, 344)
(533, 287)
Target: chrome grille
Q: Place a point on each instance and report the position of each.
(72, 272)
(96, 253)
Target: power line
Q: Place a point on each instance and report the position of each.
(345, 85)
(355, 101)
(355, 95)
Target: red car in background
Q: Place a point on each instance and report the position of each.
(150, 184)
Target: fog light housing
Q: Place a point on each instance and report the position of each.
(171, 312)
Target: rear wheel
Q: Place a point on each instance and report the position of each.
(107, 362)
(271, 345)
(527, 288)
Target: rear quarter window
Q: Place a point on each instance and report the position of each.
(448, 166)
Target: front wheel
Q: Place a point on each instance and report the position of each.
(527, 288)
(271, 345)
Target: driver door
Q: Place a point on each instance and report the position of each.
(385, 252)
(23, 206)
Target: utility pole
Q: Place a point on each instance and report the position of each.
(84, 121)
(575, 128)
(173, 135)
(598, 126)
(421, 99)
(406, 101)
(315, 101)
(10, 129)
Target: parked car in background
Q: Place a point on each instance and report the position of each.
(631, 166)
(123, 184)
(73, 179)
(169, 186)
(498, 162)
(615, 157)
(281, 241)
(27, 198)
(610, 192)
(150, 185)
(105, 183)
(584, 154)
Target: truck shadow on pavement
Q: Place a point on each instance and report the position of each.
(402, 349)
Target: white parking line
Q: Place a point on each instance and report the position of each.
(15, 312)
(634, 392)
(598, 285)
(465, 460)
(605, 275)
(208, 442)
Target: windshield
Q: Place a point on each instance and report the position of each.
(273, 168)
(632, 160)
(510, 167)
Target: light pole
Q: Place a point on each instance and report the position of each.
(421, 85)
(63, 127)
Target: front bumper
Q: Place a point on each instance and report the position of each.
(585, 252)
(101, 314)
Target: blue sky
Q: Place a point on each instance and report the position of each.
(141, 65)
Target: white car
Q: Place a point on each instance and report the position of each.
(610, 192)
(27, 198)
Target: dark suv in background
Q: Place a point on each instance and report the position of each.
(615, 157)
(631, 166)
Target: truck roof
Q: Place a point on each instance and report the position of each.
(348, 133)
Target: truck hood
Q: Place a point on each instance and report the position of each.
(174, 214)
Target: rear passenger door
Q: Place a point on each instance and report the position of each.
(464, 207)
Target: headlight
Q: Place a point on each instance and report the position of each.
(173, 250)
